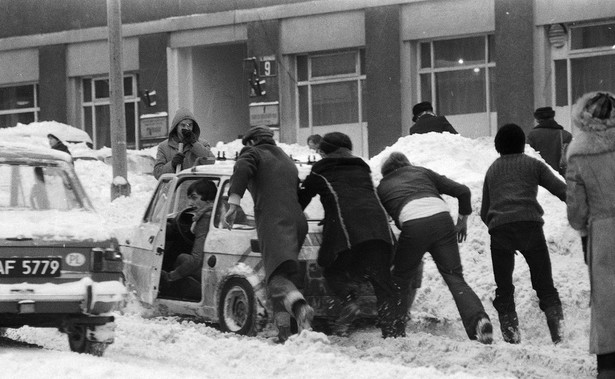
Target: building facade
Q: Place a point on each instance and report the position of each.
(304, 67)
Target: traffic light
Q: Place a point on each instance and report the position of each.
(257, 85)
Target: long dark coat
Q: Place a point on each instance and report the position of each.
(272, 179)
(590, 203)
(547, 138)
(353, 213)
(429, 123)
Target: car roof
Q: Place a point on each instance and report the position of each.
(225, 168)
(22, 152)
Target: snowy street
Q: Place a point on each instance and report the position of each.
(148, 345)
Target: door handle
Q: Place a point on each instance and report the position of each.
(159, 250)
(151, 239)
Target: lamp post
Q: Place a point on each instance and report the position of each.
(119, 184)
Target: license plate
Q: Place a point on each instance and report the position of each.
(30, 267)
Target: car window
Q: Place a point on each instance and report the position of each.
(245, 216)
(156, 210)
(36, 187)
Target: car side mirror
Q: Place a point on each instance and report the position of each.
(255, 246)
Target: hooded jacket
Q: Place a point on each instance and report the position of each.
(547, 138)
(192, 152)
(590, 204)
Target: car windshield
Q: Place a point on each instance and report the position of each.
(36, 187)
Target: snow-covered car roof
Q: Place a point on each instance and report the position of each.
(63, 132)
(226, 168)
(23, 152)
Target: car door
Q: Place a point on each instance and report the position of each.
(144, 250)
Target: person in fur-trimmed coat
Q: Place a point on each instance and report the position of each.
(591, 210)
(357, 241)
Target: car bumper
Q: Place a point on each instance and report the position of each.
(83, 296)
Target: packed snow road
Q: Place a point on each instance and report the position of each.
(173, 348)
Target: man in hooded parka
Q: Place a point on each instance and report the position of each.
(185, 131)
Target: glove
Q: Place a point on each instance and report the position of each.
(177, 159)
(188, 137)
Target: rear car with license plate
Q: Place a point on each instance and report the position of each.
(59, 267)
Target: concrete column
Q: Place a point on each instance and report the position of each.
(52, 83)
(383, 76)
(153, 71)
(514, 48)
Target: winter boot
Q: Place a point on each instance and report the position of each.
(282, 323)
(350, 311)
(509, 325)
(304, 314)
(484, 331)
(555, 318)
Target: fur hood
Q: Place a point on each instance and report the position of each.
(596, 136)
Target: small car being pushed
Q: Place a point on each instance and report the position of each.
(228, 289)
(59, 267)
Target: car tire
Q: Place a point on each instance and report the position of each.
(79, 344)
(236, 308)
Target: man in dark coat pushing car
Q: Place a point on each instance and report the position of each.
(273, 180)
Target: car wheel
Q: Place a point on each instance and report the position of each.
(236, 309)
(79, 344)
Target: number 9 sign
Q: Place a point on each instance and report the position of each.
(267, 68)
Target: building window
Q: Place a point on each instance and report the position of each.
(97, 113)
(330, 88)
(589, 63)
(18, 104)
(458, 75)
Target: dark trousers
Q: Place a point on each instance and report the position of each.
(527, 238)
(606, 365)
(436, 235)
(369, 261)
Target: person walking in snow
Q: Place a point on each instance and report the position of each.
(184, 134)
(514, 217)
(548, 137)
(591, 210)
(426, 121)
(272, 178)
(357, 241)
(412, 196)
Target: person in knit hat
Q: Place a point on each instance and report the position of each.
(357, 241)
(185, 131)
(547, 138)
(272, 179)
(513, 216)
(591, 208)
(426, 121)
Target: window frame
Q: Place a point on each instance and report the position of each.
(487, 66)
(106, 101)
(571, 54)
(357, 76)
(16, 111)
